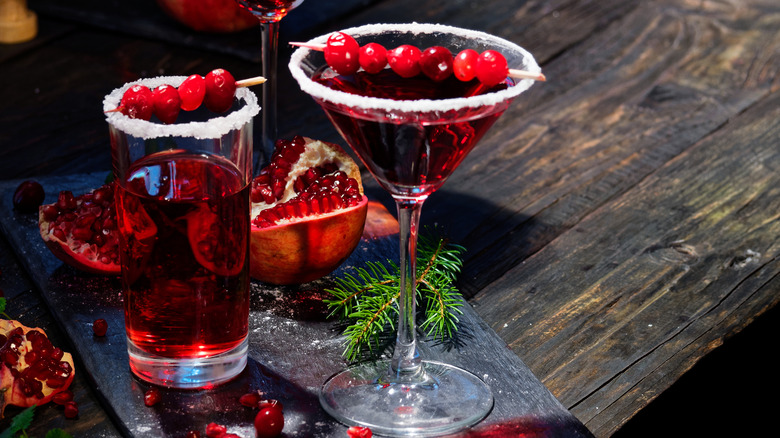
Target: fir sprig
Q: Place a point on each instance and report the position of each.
(367, 300)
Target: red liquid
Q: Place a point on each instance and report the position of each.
(271, 9)
(184, 220)
(409, 158)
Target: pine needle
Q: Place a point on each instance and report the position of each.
(367, 299)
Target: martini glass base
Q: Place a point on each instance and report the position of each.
(446, 400)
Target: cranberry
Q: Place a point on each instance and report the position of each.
(152, 397)
(491, 68)
(100, 327)
(192, 91)
(167, 103)
(373, 57)
(220, 89)
(359, 432)
(342, 53)
(436, 63)
(269, 422)
(137, 102)
(71, 409)
(405, 60)
(214, 430)
(463, 65)
(28, 197)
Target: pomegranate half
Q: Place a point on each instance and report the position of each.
(81, 230)
(32, 370)
(308, 212)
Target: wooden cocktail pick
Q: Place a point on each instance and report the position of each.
(17, 23)
(512, 72)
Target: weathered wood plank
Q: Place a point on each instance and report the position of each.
(614, 310)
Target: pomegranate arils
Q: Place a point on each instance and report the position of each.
(250, 400)
(436, 63)
(373, 57)
(214, 430)
(63, 397)
(137, 102)
(405, 60)
(28, 196)
(100, 327)
(463, 65)
(220, 89)
(491, 68)
(359, 432)
(192, 91)
(152, 397)
(342, 53)
(71, 409)
(167, 103)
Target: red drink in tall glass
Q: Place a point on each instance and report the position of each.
(267, 7)
(184, 220)
(431, 150)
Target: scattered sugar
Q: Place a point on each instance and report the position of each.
(322, 92)
(215, 127)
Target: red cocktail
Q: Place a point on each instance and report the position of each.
(182, 200)
(411, 132)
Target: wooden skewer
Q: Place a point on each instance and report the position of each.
(248, 82)
(512, 73)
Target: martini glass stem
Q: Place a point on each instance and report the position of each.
(270, 48)
(406, 364)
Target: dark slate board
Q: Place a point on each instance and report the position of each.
(293, 349)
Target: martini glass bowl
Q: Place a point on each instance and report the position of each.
(411, 139)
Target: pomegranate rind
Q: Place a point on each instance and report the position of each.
(81, 256)
(10, 388)
(308, 249)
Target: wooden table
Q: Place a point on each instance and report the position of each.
(621, 220)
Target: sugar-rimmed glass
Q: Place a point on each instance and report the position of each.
(182, 200)
(411, 147)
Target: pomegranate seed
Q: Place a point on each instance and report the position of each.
(359, 432)
(342, 53)
(269, 422)
(100, 327)
(405, 60)
(192, 434)
(28, 197)
(214, 430)
(192, 91)
(436, 63)
(152, 397)
(250, 400)
(137, 102)
(463, 65)
(63, 397)
(167, 104)
(491, 68)
(373, 57)
(220, 89)
(71, 409)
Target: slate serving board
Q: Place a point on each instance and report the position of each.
(293, 348)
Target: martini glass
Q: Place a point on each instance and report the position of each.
(269, 12)
(410, 146)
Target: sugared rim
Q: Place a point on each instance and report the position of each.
(215, 127)
(320, 91)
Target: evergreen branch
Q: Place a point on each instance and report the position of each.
(368, 298)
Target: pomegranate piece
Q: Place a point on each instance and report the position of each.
(491, 68)
(342, 53)
(269, 422)
(28, 196)
(32, 370)
(137, 102)
(436, 63)
(308, 212)
(463, 65)
(61, 398)
(373, 57)
(167, 103)
(152, 397)
(82, 230)
(220, 90)
(214, 430)
(191, 92)
(100, 327)
(71, 410)
(405, 60)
